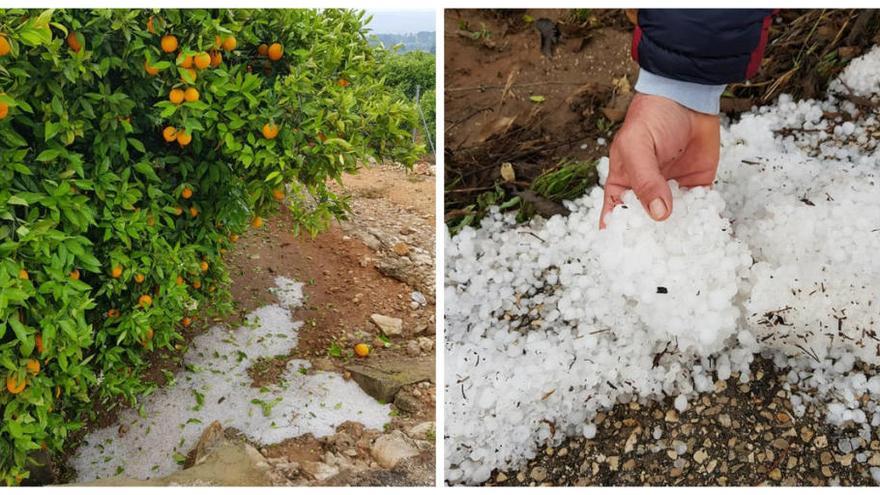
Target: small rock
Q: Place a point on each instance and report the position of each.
(319, 470)
(821, 441)
(407, 402)
(539, 473)
(389, 449)
(426, 344)
(700, 456)
(825, 458)
(613, 462)
(671, 416)
(400, 249)
(418, 298)
(422, 431)
(501, 478)
(776, 474)
(388, 325)
(413, 349)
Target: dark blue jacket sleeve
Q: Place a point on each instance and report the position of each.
(705, 46)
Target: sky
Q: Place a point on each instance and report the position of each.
(401, 21)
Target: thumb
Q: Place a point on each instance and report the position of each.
(643, 171)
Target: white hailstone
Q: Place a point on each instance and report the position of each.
(681, 403)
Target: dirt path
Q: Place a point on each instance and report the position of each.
(507, 102)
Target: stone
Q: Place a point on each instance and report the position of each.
(391, 448)
(806, 434)
(423, 431)
(539, 473)
(501, 478)
(413, 349)
(776, 474)
(671, 416)
(426, 344)
(700, 456)
(389, 326)
(319, 471)
(407, 402)
(400, 249)
(382, 379)
(821, 441)
(211, 437)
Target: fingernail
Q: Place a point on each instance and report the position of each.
(658, 209)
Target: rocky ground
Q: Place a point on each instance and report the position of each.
(741, 435)
(369, 279)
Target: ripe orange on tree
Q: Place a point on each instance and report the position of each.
(186, 321)
(343, 83)
(39, 343)
(184, 138)
(197, 284)
(74, 275)
(203, 266)
(150, 69)
(187, 62)
(176, 96)
(270, 130)
(14, 386)
(150, 27)
(5, 48)
(229, 43)
(191, 95)
(23, 274)
(73, 42)
(33, 366)
(170, 134)
(278, 194)
(263, 49)
(169, 43)
(216, 59)
(139, 278)
(145, 300)
(257, 222)
(4, 110)
(276, 51)
(193, 211)
(186, 193)
(116, 272)
(178, 210)
(233, 237)
(192, 75)
(179, 280)
(112, 313)
(202, 60)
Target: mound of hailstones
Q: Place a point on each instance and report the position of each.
(550, 322)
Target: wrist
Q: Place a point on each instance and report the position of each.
(703, 98)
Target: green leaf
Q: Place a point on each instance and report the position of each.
(536, 99)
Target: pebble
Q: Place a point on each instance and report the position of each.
(539, 473)
(700, 456)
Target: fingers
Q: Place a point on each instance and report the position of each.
(638, 159)
(612, 199)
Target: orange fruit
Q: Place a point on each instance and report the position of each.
(170, 134)
(362, 350)
(343, 83)
(150, 28)
(150, 69)
(145, 300)
(33, 366)
(263, 49)
(169, 43)
(178, 211)
(216, 59)
(233, 237)
(186, 193)
(197, 284)
(148, 337)
(191, 95)
(73, 42)
(257, 222)
(151, 221)
(270, 130)
(202, 60)
(175, 96)
(187, 62)
(229, 43)
(276, 51)
(186, 322)
(203, 266)
(23, 274)
(278, 194)
(217, 42)
(113, 313)
(193, 211)
(74, 275)
(179, 280)
(192, 75)
(184, 138)
(139, 278)
(116, 272)
(39, 341)
(4, 46)
(14, 386)
(4, 110)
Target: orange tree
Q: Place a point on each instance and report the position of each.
(135, 146)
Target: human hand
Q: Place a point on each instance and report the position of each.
(660, 140)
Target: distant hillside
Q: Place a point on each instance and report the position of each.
(424, 41)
